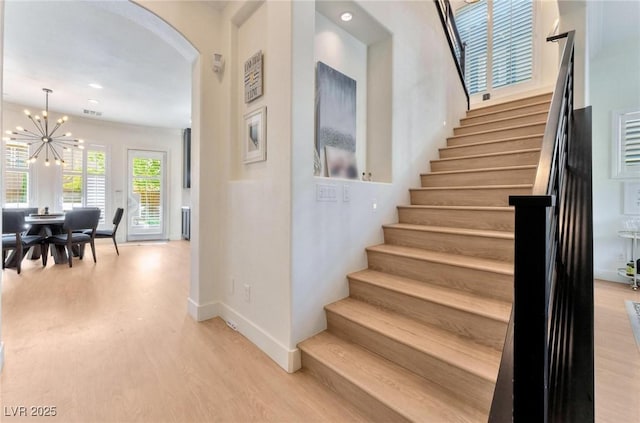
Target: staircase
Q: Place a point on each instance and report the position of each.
(421, 334)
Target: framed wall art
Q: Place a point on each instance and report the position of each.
(335, 120)
(255, 136)
(253, 77)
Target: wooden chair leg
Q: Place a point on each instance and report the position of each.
(93, 250)
(19, 257)
(45, 254)
(115, 244)
(70, 254)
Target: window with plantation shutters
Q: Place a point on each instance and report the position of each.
(72, 180)
(499, 54)
(84, 179)
(626, 136)
(17, 177)
(96, 180)
(512, 42)
(473, 28)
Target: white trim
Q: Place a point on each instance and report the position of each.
(288, 359)
(1, 356)
(202, 312)
(609, 275)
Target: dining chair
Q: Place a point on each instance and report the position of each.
(111, 233)
(76, 222)
(14, 238)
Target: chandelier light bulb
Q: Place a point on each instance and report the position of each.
(81, 141)
(346, 16)
(81, 147)
(8, 132)
(45, 138)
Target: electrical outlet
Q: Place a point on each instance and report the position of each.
(232, 324)
(346, 193)
(247, 293)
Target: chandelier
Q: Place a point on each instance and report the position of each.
(47, 139)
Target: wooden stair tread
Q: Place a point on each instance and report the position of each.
(452, 231)
(479, 360)
(522, 137)
(479, 109)
(408, 394)
(490, 106)
(470, 262)
(484, 169)
(465, 301)
(520, 186)
(524, 115)
(480, 156)
(467, 208)
(506, 128)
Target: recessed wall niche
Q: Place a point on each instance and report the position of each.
(362, 50)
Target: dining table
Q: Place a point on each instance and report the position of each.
(46, 225)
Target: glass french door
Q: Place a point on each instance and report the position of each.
(146, 195)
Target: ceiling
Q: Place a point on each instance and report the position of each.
(143, 65)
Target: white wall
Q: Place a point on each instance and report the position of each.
(613, 85)
(200, 24)
(258, 211)
(1, 165)
(427, 100)
(337, 48)
(118, 138)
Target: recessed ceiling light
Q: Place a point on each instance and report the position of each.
(346, 16)
(94, 101)
(96, 86)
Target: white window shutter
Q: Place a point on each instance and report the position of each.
(96, 189)
(17, 177)
(512, 42)
(471, 21)
(626, 143)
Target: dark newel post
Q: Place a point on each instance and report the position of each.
(530, 366)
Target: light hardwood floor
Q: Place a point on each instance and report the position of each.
(113, 343)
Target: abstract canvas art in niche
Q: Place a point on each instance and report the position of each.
(335, 123)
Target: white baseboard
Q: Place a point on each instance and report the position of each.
(609, 275)
(1, 356)
(202, 312)
(289, 360)
(286, 358)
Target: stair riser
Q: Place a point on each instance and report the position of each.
(465, 245)
(535, 108)
(497, 135)
(476, 390)
(503, 160)
(479, 328)
(509, 105)
(466, 197)
(494, 147)
(368, 405)
(470, 219)
(495, 177)
(488, 126)
(489, 284)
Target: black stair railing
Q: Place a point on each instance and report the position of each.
(546, 373)
(458, 48)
